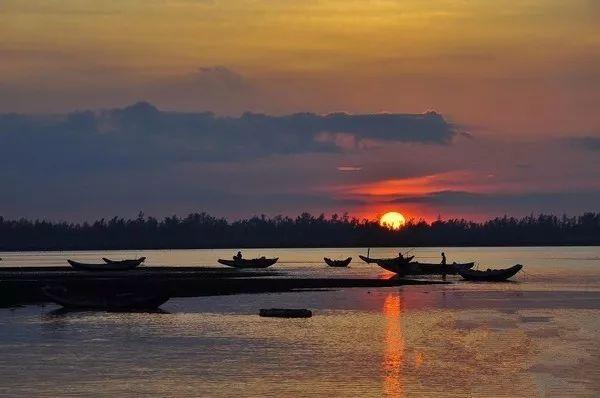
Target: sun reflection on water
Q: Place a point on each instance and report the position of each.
(393, 383)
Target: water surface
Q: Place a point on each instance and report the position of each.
(535, 337)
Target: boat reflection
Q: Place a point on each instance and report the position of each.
(393, 354)
(64, 312)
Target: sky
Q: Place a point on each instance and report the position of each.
(444, 108)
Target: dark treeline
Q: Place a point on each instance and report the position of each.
(204, 231)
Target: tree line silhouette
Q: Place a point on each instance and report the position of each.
(201, 230)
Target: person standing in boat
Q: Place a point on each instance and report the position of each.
(401, 256)
(443, 266)
(238, 256)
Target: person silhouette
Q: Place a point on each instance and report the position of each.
(443, 266)
(238, 256)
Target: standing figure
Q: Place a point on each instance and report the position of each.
(238, 256)
(443, 266)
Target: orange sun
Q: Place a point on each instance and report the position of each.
(392, 220)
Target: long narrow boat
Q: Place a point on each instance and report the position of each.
(104, 266)
(337, 263)
(418, 268)
(490, 275)
(394, 260)
(106, 300)
(261, 262)
(136, 261)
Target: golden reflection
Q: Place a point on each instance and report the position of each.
(419, 358)
(393, 355)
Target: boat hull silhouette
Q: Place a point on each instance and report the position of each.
(117, 266)
(415, 268)
(496, 275)
(250, 263)
(337, 263)
(418, 268)
(132, 262)
(394, 260)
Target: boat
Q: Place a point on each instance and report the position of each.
(337, 263)
(261, 262)
(136, 261)
(285, 313)
(490, 275)
(398, 267)
(116, 266)
(397, 260)
(396, 264)
(108, 299)
(417, 268)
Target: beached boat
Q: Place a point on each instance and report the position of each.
(261, 262)
(417, 268)
(394, 260)
(113, 300)
(286, 313)
(337, 263)
(136, 261)
(490, 275)
(117, 266)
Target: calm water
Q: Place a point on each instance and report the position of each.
(539, 336)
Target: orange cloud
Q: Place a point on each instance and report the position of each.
(410, 186)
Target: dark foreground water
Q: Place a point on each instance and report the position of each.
(539, 336)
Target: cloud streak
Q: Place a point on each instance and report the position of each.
(470, 203)
(142, 135)
(591, 143)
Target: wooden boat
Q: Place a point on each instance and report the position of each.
(417, 268)
(261, 262)
(285, 313)
(136, 261)
(490, 275)
(117, 266)
(394, 260)
(113, 300)
(337, 263)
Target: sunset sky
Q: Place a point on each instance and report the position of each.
(431, 108)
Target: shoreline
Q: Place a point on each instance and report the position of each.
(350, 246)
(23, 285)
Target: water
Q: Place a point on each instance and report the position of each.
(536, 337)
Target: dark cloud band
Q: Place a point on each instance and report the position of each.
(143, 135)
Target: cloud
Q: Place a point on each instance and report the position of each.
(419, 185)
(590, 143)
(140, 135)
(221, 76)
(462, 202)
(89, 163)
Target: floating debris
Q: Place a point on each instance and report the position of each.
(285, 312)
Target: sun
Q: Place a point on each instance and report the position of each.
(392, 220)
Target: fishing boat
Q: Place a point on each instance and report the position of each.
(392, 265)
(394, 260)
(113, 300)
(116, 266)
(337, 263)
(490, 275)
(136, 261)
(286, 313)
(400, 266)
(261, 262)
(417, 268)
